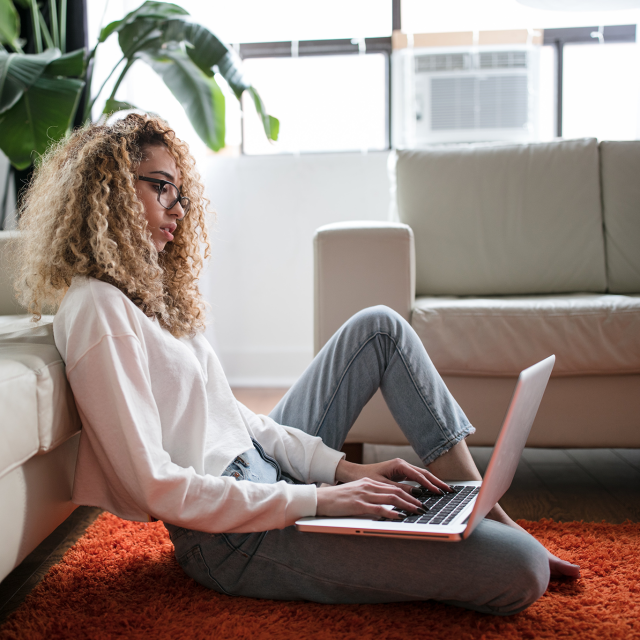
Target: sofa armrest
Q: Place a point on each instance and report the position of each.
(8, 303)
(359, 265)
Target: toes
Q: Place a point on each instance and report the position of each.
(560, 567)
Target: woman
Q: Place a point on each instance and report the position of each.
(112, 229)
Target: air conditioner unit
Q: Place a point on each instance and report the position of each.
(471, 94)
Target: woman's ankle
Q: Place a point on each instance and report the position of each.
(499, 515)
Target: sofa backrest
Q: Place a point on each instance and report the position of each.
(620, 166)
(504, 219)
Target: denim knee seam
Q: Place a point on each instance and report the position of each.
(417, 388)
(407, 369)
(339, 383)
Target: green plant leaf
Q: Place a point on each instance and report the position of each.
(203, 47)
(43, 115)
(112, 106)
(230, 67)
(200, 96)
(9, 22)
(270, 124)
(143, 34)
(10, 88)
(112, 27)
(69, 65)
(158, 33)
(152, 10)
(208, 52)
(18, 72)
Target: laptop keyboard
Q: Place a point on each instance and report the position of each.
(440, 509)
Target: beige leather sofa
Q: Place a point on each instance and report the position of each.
(501, 256)
(39, 430)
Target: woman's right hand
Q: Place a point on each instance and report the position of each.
(365, 497)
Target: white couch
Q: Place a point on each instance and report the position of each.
(39, 430)
(502, 255)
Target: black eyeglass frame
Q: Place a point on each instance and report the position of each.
(185, 206)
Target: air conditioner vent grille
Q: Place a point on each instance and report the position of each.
(443, 62)
(471, 102)
(503, 60)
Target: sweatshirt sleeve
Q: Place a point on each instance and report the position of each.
(112, 388)
(301, 455)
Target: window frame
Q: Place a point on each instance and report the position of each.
(343, 46)
(557, 38)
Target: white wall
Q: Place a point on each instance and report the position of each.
(260, 279)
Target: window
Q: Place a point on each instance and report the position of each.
(600, 91)
(327, 71)
(596, 87)
(573, 90)
(324, 103)
(321, 68)
(292, 20)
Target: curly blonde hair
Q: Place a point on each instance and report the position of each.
(81, 216)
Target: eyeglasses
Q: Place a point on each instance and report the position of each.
(169, 194)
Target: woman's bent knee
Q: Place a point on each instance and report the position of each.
(378, 317)
(528, 575)
(536, 571)
(510, 572)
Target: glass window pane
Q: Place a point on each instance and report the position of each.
(600, 91)
(277, 20)
(324, 103)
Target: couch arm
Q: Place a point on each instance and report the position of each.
(358, 265)
(8, 303)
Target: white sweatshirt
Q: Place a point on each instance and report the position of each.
(160, 424)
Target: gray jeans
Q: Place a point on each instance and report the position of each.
(496, 570)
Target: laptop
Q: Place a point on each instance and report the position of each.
(454, 516)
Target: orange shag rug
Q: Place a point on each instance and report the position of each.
(120, 580)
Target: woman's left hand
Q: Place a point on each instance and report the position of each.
(391, 472)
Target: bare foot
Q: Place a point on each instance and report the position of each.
(562, 568)
(558, 568)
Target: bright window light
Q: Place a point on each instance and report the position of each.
(601, 83)
(431, 16)
(324, 103)
(347, 94)
(278, 20)
(600, 91)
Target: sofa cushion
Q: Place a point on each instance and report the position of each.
(590, 334)
(504, 219)
(19, 424)
(38, 409)
(620, 166)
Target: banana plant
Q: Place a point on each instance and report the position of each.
(39, 93)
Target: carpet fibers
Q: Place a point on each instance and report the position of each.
(120, 580)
